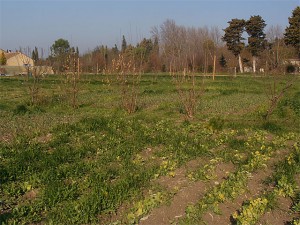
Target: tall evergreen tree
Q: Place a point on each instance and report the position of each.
(234, 40)
(257, 38)
(2, 59)
(223, 61)
(124, 44)
(115, 50)
(77, 51)
(292, 32)
(35, 54)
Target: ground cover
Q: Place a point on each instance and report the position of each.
(97, 164)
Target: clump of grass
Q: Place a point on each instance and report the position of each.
(21, 109)
(216, 123)
(271, 127)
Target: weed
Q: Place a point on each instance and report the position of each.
(21, 110)
(216, 123)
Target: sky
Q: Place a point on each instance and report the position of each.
(90, 23)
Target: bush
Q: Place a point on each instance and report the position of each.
(290, 68)
(20, 109)
(216, 123)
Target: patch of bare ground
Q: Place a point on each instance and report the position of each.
(44, 139)
(6, 138)
(188, 193)
(255, 187)
(111, 217)
(31, 195)
(281, 214)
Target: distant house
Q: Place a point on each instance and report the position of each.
(18, 59)
(18, 63)
(295, 62)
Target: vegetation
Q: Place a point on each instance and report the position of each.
(100, 164)
(233, 38)
(2, 59)
(291, 36)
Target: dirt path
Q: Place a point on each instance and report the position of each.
(189, 192)
(255, 188)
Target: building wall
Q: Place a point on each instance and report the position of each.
(19, 60)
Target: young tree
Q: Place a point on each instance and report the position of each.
(274, 36)
(233, 38)
(2, 59)
(257, 38)
(292, 32)
(59, 53)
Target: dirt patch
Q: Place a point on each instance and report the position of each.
(168, 213)
(7, 138)
(255, 187)
(31, 195)
(280, 215)
(188, 193)
(179, 180)
(44, 139)
(112, 217)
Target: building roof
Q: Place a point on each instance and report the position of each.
(11, 54)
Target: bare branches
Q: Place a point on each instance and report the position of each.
(274, 96)
(128, 75)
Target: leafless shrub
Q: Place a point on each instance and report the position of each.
(128, 76)
(72, 79)
(186, 87)
(274, 95)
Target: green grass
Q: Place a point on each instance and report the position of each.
(61, 165)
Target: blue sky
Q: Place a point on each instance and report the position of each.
(88, 23)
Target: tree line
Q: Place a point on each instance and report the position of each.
(243, 44)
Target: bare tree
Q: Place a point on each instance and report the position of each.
(129, 78)
(274, 95)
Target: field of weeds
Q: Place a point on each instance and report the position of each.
(98, 164)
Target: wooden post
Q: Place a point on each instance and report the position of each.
(214, 69)
(78, 67)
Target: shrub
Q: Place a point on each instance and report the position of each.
(290, 68)
(20, 109)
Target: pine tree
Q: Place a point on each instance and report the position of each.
(36, 53)
(233, 38)
(223, 61)
(292, 32)
(33, 55)
(257, 38)
(124, 44)
(77, 51)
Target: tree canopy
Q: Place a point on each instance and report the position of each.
(233, 36)
(292, 32)
(60, 47)
(257, 38)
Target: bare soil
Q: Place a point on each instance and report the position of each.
(188, 193)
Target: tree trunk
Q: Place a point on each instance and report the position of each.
(214, 68)
(240, 64)
(254, 64)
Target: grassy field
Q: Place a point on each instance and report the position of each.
(96, 164)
